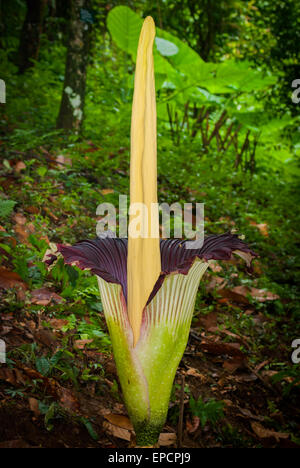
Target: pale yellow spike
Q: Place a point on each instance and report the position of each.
(144, 262)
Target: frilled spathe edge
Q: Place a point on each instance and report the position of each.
(107, 257)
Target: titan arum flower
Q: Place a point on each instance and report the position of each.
(148, 286)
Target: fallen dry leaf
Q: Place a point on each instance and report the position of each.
(67, 398)
(227, 220)
(262, 295)
(216, 282)
(237, 362)
(246, 377)
(117, 431)
(50, 214)
(167, 438)
(32, 209)
(240, 294)
(192, 426)
(208, 321)
(46, 337)
(5, 330)
(44, 296)
(34, 406)
(264, 433)
(106, 191)
(10, 279)
(214, 266)
(262, 227)
(57, 324)
(23, 231)
(19, 166)
(261, 365)
(218, 348)
(8, 375)
(63, 161)
(228, 402)
(12, 376)
(19, 218)
(269, 373)
(242, 339)
(123, 429)
(194, 373)
(81, 344)
(245, 413)
(21, 373)
(119, 420)
(257, 267)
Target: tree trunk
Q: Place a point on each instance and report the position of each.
(72, 102)
(31, 32)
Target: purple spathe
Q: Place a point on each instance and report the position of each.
(107, 257)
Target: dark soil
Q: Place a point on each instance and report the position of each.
(210, 369)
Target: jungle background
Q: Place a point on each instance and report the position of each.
(228, 136)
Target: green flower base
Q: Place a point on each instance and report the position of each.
(147, 371)
(147, 434)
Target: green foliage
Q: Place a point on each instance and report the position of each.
(13, 393)
(88, 425)
(180, 63)
(206, 26)
(88, 331)
(43, 365)
(234, 86)
(51, 413)
(125, 27)
(6, 207)
(252, 62)
(231, 437)
(289, 379)
(210, 411)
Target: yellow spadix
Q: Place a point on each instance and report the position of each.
(144, 262)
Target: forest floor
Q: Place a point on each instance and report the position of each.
(41, 411)
(59, 386)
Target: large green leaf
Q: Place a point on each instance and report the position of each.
(166, 48)
(172, 57)
(179, 67)
(235, 76)
(124, 25)
(185, 56)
